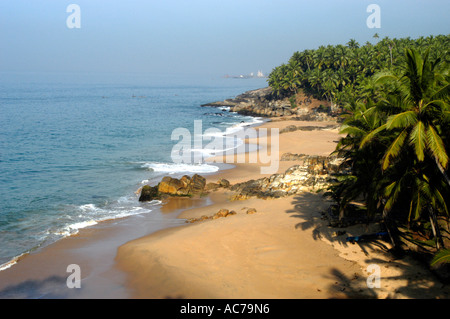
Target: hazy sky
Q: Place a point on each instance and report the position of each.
(195, 36)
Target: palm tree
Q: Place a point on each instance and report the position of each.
(424, 107)
(361, 119)
(417, 109)
(376, 36)
(353, 44)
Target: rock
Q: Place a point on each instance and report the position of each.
(149, 193)
(222, 213)
(251, 211)
(185, 186)
(314, 172)
(224, 183)
(232, 213)
(263, 102)
(212, 187)
(289, 128)
(197, 185)
(169, 185)
(292, 157)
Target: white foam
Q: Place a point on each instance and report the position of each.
(173, 168)
(88, 207)
(91, 215)
(81, 225)
(10, 263)
(236, 127)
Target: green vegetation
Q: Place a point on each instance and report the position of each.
(340, 73)
(393, 98)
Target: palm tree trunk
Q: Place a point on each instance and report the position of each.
(390, 53)
(435, 227)
(388, 228)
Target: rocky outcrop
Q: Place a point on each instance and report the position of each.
(315, 172)
(185, 186)
(221, 213)
(260, 102)
(263, 103)
(312, 173)
(222, 183)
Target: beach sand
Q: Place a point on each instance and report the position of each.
(284, 250)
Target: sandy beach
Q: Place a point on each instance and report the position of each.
(284, 250)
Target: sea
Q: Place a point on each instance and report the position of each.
(75, 148)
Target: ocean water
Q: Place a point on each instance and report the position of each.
(75, 148)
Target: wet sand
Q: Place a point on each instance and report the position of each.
(43, 273)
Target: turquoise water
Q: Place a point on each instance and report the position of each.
(75, 148)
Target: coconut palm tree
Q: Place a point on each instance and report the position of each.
(424, 108)
(416, 105)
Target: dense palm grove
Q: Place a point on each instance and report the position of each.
(393, 97)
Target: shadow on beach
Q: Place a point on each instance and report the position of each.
(53, 287)
(400, 277)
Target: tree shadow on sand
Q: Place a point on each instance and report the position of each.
(53, 287)
(413, 277)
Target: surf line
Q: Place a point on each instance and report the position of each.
(219, 142)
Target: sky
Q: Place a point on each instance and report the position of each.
(195, 36)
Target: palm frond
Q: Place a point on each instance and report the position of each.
(438, 105)
(436, 146)
(442, 93)
(443, 256)
(394, 149)
(391, 192)
(371, 135)
(418, 140)
(352, 130)
(401, 120)
(384, 78)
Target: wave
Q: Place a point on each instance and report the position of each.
(11, 263)
(90, 215)
(174, 168)
(237, 127)
(232, 138)
(85, 216)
